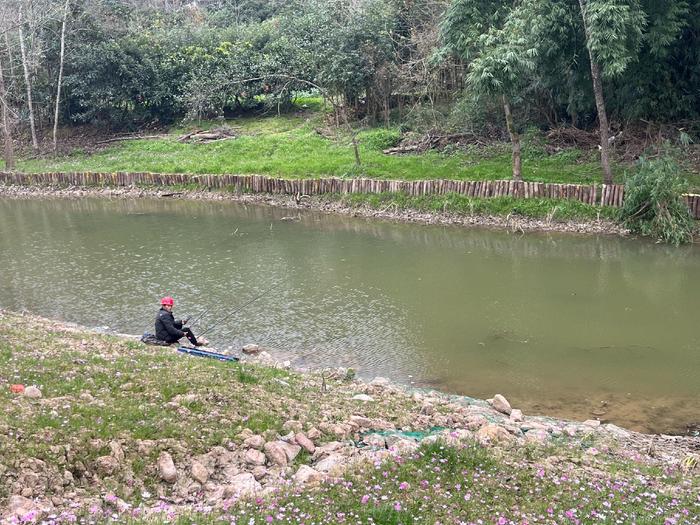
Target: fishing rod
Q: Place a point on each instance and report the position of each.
(236, 310)
(187, 320)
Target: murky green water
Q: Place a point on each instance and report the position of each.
(563, 325)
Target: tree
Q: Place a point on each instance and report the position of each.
(6, 130)
(502, 58)
(613, 30)
(60, 74)
(27, 78)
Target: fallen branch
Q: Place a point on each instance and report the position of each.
(136, 137)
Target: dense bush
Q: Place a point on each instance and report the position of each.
(654, 204)
(380, 138)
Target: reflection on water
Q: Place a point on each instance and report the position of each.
(565, 325)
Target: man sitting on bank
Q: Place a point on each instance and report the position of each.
(170, 330)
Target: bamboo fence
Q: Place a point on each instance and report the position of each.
(603, 195)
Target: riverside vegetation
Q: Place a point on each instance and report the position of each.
(112, 430)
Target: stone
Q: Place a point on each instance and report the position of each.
(304, 442)
(275, 453)
(537, 435)
(361, 421)
(307, 476)
(374, 440)
(327, 449)
(491, 434)
(616, 431)
(199, 472)
(380, 381)
(107, 465)
(362, 397)
(292, 426)
(427, 408)
(331, 464)
(501, 404)
(403, 446)
(259, 472)
(313, 434)
(292, 451)
(166, 468)
(251, 349)
(256, 442)
(254, 457)
(571, 430)
(245, 484)
(475, 422)
(593, 423)
(32, 392)
(516, 415)
(20, 507)
(245, 434)
(117, 451)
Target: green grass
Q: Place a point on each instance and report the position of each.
(290, 146)
(189, 405)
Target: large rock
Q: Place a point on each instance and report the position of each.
(362, 397)
(116, 450)
(491, 434)
(256, 442)
(32, 392)
(501, 404)
(333, 464)
(107, 465)
(403, 446)
(254, 457)
(307, 476)
(276, 454)
(516, 415)
(292, 426)
(380, 382)
(199, 472)
(244, 484)
(361, 421)
(304, 442)
(292, 451)
(166, 468)
(374, 440)
(251, 349)
(536, 435)
(20, 507)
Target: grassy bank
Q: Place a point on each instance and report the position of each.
(110, 407)
(302, 145)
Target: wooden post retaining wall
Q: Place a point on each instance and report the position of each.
(604, 195)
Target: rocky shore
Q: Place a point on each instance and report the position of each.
(512, 223)
(104, 428)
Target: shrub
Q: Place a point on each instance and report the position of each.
(380, 138)
(654, 204)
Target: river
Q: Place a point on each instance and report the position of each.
(565, 325)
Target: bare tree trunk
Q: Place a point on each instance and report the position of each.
(60, 76)
(7, 134)
(35, 143)
(603, 125)
(514, 139)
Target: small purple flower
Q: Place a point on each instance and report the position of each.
(364, 499)
(397, 506)
(404, 485)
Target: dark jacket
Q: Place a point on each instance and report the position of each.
(167, 328)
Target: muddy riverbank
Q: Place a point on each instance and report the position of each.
(513, 223)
